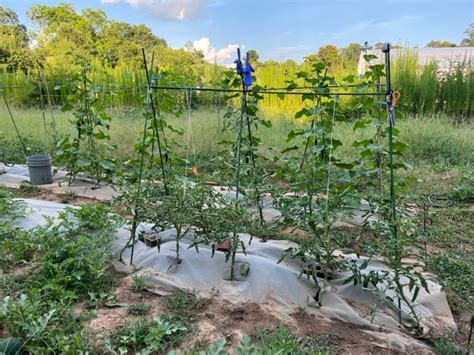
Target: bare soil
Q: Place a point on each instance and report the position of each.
(219, 319)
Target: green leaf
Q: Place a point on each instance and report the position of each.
(401, 147)
(100, 135)
(67, 107)
(304, 112)
(336, 143)
(375, 147)
(301, 74)
(308, 97)
(266, 123)
(175, 130)
(369, 57)
(316, 110)
(406, 165)
(289, 149)
(108, 165)
(294, 133)
(319, 67)
(361, 143)
(225, 142)
(10, 346)
(395, 131)
(83, 162)
(363, 123)
(316, 149)
(415, 294)
(349, 79)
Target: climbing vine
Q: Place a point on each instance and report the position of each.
(87, 151)
(320, 191)
(242, 161)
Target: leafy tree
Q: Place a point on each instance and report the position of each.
(469, 40)
(290, 63)
(440, 44)
(63, 35)
(123, 42)
(329, 55)
(378, 45)
(311, 58)
(14, 50)
(351, 53)
(270, 62)
(253, 56)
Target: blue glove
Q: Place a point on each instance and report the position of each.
(245, 71)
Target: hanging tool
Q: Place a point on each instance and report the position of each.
(391, 99)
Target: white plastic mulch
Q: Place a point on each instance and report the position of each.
(275, 286)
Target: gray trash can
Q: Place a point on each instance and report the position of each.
(39, 169)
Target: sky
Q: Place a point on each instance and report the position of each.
(282, 29)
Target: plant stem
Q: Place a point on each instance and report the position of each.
(233, 247)
(178, 237)
(154, 122)
(243, 108)
(137, 196)
(378, 139)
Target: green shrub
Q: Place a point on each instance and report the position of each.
(457, 276)
(145, 337)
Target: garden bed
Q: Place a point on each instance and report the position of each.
(276, 287)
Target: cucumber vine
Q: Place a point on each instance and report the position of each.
(86, 152)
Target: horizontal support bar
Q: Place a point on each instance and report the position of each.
(266, 91)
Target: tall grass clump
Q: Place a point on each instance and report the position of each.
(429, 89)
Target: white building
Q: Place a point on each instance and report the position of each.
(443, 56)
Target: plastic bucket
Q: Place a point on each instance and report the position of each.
(39, 169)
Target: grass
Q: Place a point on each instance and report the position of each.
(435, 140)
(139, 309)
(265, 341)
(450, 233)
(289, 343)
(139, 282)
(446, 346)
(183, 307)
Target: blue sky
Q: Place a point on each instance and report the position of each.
(282, 29)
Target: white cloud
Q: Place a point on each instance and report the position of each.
(223, 55)
(168, 9)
